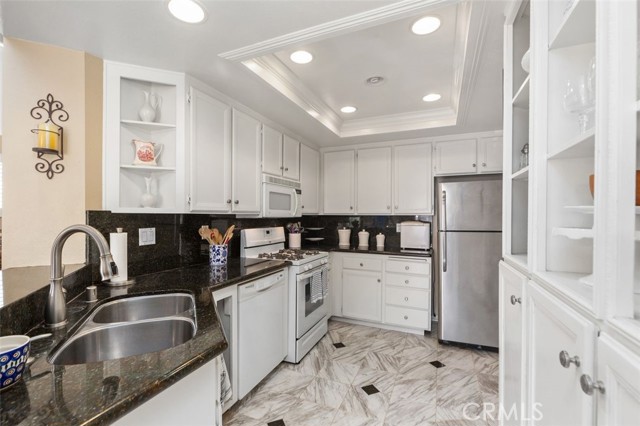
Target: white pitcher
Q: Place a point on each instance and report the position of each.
(151, 106)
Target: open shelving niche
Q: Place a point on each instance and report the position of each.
(162, 131)
(570, 155)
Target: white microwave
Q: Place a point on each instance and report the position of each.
(281, 197)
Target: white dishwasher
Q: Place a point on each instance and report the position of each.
(262, 329)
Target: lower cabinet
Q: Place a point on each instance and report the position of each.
(362, 294)
(560, 349)
(194, 400)
(512, 288)
(226, 301)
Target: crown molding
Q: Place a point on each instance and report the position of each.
(345, 25)
(416, 120)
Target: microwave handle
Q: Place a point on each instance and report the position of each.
(296, 204)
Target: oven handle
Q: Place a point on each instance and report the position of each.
(311, 273)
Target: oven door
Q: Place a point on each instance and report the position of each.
(309, 309)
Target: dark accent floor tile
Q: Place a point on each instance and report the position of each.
(370, 389)
(279, 422)
(339, 345)
(437, 364)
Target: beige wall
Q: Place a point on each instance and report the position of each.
(36, 209)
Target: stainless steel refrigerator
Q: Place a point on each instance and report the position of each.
(469, 248)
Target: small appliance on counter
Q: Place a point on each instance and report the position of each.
(380, 241)
(344, 236)
(415, 236)
(363, 240)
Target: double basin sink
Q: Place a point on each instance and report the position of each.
(130, 326)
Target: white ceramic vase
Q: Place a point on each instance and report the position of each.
(149, 109)
(148, 199)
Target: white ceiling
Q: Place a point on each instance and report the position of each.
(143, 33)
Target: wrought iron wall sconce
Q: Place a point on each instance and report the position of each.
(50, 135)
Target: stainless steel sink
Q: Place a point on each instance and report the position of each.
(144, 307)
(124, 339)
(130, 326)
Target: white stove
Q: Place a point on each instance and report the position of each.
(308, 294)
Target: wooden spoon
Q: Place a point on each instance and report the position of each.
(216, 236)
(228, 235)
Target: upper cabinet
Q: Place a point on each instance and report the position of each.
(466, 156)
(374, 180)
(210, 153)
(280, 154)
(310, 180)
(412, 179)
(144, 139)
(245, 166)
(338, 173)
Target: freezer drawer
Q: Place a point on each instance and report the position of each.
(468, 287)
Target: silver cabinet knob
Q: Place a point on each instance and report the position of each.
(566, 360)
(515, 300)
(406, 281)
(406, 299)
(473, 165)
(396, 207)
(388, 207)
(588, 385)
(229, 201)
(303, 207)
(236, 202)
(406, 268)
(361, 264)
(406, 317)
(286, 169)
(379, 280)
(281, 167)
(351, 208)
(484, 164)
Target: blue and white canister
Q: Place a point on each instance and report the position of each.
(218, 254)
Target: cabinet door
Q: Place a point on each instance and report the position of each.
(490, 155)
(245, 164)
(338, 176)
(335, 284)
(455, 157)
(512, 286)
(362, 295)
(310, 180)
(291, 158)
(413, 179)
(271, 151)
(210, 126)
(553, 391)
(374, 181)
(619, 372)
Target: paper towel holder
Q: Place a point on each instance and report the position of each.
(123, 283)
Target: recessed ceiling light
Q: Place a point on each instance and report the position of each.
(187, 11)
(425, 25)
(301, 57)
(432, 97)
(348, 109)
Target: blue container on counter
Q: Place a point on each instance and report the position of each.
(218, 254)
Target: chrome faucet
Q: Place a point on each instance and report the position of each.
(55, 312)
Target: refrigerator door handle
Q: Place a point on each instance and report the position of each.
(444, 231)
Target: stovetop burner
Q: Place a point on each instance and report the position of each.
(289, 254)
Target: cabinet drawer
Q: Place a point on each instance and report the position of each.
(362, 263)
(408, 297)
(409, 266)
(408, 317)
(405, 280)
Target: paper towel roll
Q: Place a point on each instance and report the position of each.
(118, 246)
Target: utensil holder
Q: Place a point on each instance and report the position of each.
(218, 254)
(295, 241)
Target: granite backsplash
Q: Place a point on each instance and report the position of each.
(178, 243)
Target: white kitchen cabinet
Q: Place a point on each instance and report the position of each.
(455, 157)
(310, 180)
(280, 154)
(490, 155)
(125, 182)
(553, 390)
(194, 400)
(210, 153)
(412, 179)
(335, 284)
(245, 157)
(362, 294)
(374, 180)
(619, 374)
(338, 182)
(512, 361)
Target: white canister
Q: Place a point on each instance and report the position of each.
(363, 239)
(380, 240)
(344, 235)
(295, 241)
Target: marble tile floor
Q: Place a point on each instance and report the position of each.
(364, 376)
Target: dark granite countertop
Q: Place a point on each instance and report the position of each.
(101, 392)
(389, 251)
